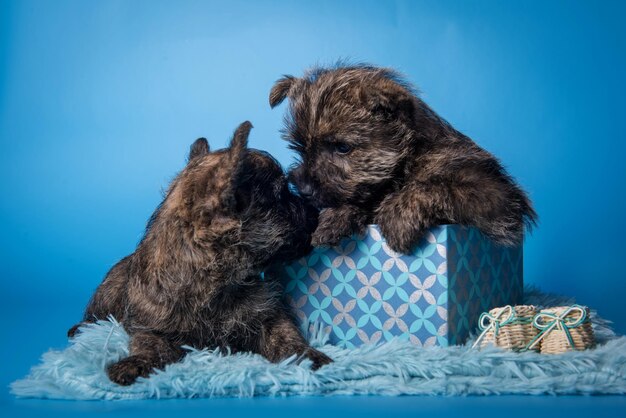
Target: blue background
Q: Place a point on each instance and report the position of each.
(99, 102)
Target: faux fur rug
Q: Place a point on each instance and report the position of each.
(392, 368)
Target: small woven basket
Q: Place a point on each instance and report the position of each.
(564, 328)
(507, 327)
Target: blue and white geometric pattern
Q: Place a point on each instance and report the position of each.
(361, 291)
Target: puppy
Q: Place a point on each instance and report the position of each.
(194, 278)
(372, 151)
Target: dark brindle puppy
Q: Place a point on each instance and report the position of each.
(194, 278)
(372, 151)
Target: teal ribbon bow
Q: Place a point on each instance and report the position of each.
(487, 322)
(547, 321)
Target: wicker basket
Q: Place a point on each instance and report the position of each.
(507, 327)
(563, 328)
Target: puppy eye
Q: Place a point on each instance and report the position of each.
(343, 148)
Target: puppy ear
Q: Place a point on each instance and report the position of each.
(281, 90)
(390, 101)
(236, 155)
(239, 143)
(199, 148)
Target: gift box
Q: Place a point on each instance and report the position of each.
(361, 291)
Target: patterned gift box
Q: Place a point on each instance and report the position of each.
(361, 291)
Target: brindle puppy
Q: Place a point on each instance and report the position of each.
(194, 278)
(372, 151)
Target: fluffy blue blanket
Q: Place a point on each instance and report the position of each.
(392, 368)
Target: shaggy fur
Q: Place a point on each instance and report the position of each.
(392, 368)
(372, 151)
(195, 280)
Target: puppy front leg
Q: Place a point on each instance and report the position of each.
(337, 223)
(280, 339)
(405, 215)
(498, 208)
(148, 351)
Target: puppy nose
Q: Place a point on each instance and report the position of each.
(297, 178)
(306, 190)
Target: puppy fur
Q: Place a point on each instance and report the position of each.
(372, 151)
(194, 278)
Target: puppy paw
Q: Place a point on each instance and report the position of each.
(326, 236)
(127, 370)
(318, 358)
(74, 330)
(336, 224)
(401, 234)
(398, 244)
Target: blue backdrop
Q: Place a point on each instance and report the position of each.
(99, 102)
